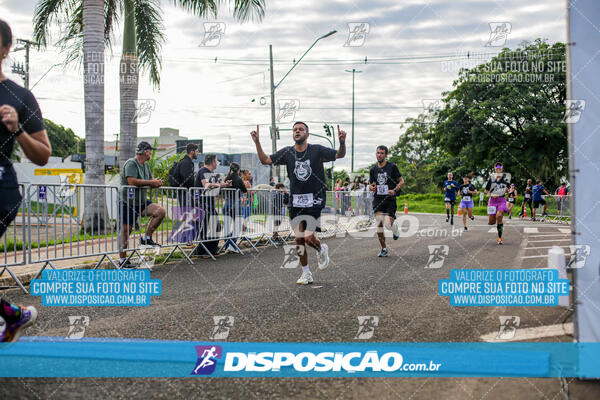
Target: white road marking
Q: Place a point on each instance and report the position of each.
(545, 247)
(549, 235)
(564, 230)
(543, 255)
(550, 241)
(533, 333)
(530, 230)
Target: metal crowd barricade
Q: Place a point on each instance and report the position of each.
(67, 221)
(257, 206)
(177, 227)
(558, 209)
(13, 242)
(353, 209)
(280, 219)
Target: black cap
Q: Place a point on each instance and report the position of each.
(143, 146)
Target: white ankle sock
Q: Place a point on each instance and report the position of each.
(305, 269)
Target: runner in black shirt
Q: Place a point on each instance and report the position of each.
(20, 120)
(385, 181)
(304, 164)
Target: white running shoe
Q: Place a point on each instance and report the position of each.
(305, 279)
(323, 256)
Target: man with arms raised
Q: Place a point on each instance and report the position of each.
(304, 164)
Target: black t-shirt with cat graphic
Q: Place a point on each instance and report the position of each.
(306, 173)
(385, 178)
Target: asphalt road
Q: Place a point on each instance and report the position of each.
(267, 305)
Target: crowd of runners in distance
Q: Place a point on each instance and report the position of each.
(502, 198)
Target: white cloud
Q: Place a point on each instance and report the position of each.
(213, 100)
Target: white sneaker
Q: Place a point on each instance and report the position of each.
(323, 256)
(305, 279)
(395, 230)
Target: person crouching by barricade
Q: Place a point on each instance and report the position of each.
(135, 178)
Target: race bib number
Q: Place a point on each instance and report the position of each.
(382, 189)
(527, 195)
(491, 210)
(303, 200)
(466, 198)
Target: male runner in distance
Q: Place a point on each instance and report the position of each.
(304, 164)
(385, 180)
(450, 189)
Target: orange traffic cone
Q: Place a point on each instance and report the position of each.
(406, 207)
(525, 212)
(459, 211)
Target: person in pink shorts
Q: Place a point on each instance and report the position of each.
(496, 188)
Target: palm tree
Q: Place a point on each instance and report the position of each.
(93, 89)
(142, 41)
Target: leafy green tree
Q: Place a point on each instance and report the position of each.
(509, 109)
(63, 140)
(143, 36)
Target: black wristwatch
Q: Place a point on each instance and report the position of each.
(18, 131)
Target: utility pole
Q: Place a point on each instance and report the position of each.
(273, 126)
(352, 161)
(275, 169)
(24, 72)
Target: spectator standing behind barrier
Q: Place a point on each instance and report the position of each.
(21, 121)
(232, 208)
(247, 199)
(281, 200)
(538, 200)
(134, 200)
(210, 224)
(561, 192)
(185, 170)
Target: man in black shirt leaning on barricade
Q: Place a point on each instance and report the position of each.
(304, 164)
(206, 179)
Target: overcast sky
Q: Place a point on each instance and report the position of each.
(212, 100)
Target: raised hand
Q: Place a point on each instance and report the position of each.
(254, 135)
(341, 134)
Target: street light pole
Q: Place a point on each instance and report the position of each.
(352, 161)
(275, 86)
(274, 170)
